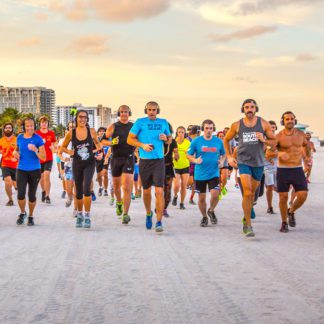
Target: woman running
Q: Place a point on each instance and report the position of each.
(84, 141)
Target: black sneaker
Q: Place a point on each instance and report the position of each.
(100, 192)
(21, 218)
(204, 222)
(291, 219)
(284, 228)
(212, 216)
(182, 206)
(10, 203)
(270, 211)
(105, 193)
(47, 200)
(174, 201)
(63, 194)
(43, 196)
(30, 221)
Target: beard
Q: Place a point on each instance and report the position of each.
(8, 133)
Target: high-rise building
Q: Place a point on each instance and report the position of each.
(36, 100)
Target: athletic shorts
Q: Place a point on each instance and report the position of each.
(192, 169)
(68, 174)
(201, 185)
(287, 177)
(181, 171)
(152, 172)
(62, 165)
(270, 176)
(224, 168)
(122, 165)
(9, 172)
(99, 166)
(169, 171)
(47, 166)
(136, 172)
(57, 159)
(255, 172)
(230, 168)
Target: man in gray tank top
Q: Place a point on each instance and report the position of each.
(253, 133)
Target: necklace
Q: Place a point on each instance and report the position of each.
(290, 134)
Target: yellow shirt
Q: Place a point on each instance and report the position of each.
(183, 162)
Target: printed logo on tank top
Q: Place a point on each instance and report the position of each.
(154, 126)
(250, 138)
(208, 149)
(83, 152)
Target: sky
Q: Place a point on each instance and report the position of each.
(197, 59)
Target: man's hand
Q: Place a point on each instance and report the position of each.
(232, 162)
(198, 160)
(147, 147)
(16, 155)
(163, 137)
(260, 137)
(32, 147)
(115, 141)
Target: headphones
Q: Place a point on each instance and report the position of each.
(248, 101)
(152, 103)
(124, 106)
(24, 121)
(208, 121)
(282, 120)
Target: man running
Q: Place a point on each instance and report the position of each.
(149, 134)
(292, 146)
(309, 161)
(101, 167)
(207, 152)
(49, 140)
(8, 161)
(253, 133)
(122, 161)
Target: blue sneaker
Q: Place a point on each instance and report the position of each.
(158, 227)
(79, 220)
(149, 221)
(253, 213)
(133, 196)
(93, 196)
(87, 222)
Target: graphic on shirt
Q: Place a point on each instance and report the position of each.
(250, 138)
(206, 149)
(154, 126)
(83, 151)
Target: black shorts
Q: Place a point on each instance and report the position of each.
(99, 166)
(230, 168)
(9, 172)
(201, 185)
(169, 172)
(152, 173)
(122, 165)
(62, 165)
(287, 177)
(47, 166)
(182, 171)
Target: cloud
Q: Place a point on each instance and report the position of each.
(245, 79)
(306, 57)
(41, 16)
(244, 34)
(28, 42)
(90, 44)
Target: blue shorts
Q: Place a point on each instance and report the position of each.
(255, 172)
(136, 171)
(68, 174)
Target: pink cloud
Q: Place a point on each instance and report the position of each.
(33, 41)
(306, 57)
(41, 16)
(91, 44)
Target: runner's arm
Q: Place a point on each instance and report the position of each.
(95, 139)
(109, 133)
(229, 136)
(66, 141)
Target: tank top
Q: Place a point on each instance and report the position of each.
(122, 149)
(83, 150)
(250, 149)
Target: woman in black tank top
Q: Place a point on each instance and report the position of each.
(84, 141)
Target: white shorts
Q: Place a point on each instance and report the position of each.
(270, 177)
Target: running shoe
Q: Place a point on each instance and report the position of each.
(75, 213)
(224, 191)
(112, 200)
(10, 203)
(79, 220)
(165, 213)
(220, 196)
(105, 193)
(87, 221)
(63, 194)
(204, 221)
(43, 196)
(119, 209)
(249, 232)
(93, 196)
(191, 202)
(149, 221)
(284, 227)
(30, 221)
(138, 196)
(47, 200)
(158, 227)
(237, 186)
(182, 206)
(291, 219)
(126, 219)
(244, 225)
(270, 211)
(100, 192)
(133, 196)
(68, 202)
(253, 213)
(174, 201)
(21, 218)
(212, 216)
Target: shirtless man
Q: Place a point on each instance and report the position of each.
(309, 161)
(292, 146)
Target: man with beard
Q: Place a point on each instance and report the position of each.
(9, 162)
(253, 133)
(292, 146)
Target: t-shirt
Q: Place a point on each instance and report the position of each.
(28, 160)
(148, 132)
(7, 147)
(210, 152)
(48, 139)
(168, 151)
(183, 161)
(65, 155)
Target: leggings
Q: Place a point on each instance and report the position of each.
(83, 175)
(30, 178)
(167, 191)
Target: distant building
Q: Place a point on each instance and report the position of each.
(36, 100)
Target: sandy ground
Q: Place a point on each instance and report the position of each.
(55, 273)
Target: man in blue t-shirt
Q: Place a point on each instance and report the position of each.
(149, 134)
(207, 151)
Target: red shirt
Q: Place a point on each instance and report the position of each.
(48, 139)
(7, 146)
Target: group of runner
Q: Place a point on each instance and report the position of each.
(145, 153)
